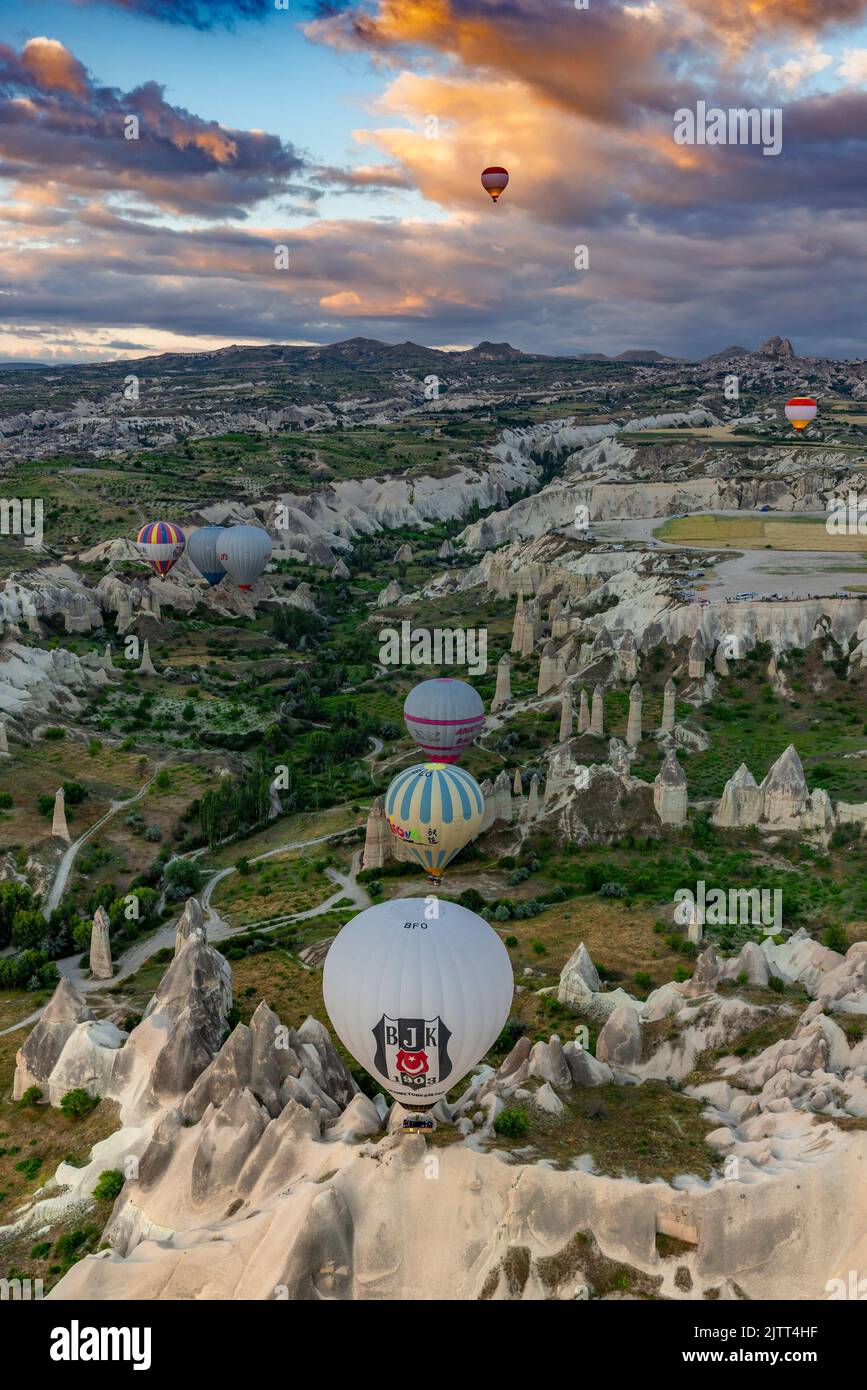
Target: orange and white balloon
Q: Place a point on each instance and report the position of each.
(800, 410)
(494, 180)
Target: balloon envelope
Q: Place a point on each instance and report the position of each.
(161, 544)
(244, 551)
(494, 180)
(202, 550)
(434, 809)
(443, 717)
(800, 410)
(417, 1000)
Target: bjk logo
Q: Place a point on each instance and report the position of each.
(412, 1051)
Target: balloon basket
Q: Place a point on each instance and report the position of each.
(418, 1122)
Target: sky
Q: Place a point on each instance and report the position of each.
(180, 175)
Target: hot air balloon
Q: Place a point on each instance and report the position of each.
(417, 999)
(435, 809)
(494, 180)
(162, 545)
(244, 551)
(800, 410)
(202, 550)
(443, 716)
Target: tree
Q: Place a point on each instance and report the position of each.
(14, 897)
(77, 1103)
(29, 930)
(183, 879)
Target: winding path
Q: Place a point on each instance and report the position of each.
(217, 928)
(64, 868)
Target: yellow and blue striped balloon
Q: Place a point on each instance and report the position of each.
(434, 809)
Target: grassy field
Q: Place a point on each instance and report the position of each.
(277, 887)
(108, 774)
(756, 533)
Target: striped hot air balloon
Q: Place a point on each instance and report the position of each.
(800, 410)
(435, 809)
(494, 180)
(443, 716)
(161, 544)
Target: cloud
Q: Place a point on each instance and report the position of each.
(57, 124)
(794, 71)
(196, 14)
(371, 178)
(853, 67)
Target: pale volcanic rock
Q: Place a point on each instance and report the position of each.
(597, 714)
(547, 1100)
(87, 1060)
(583, 714)
(619, 1042)
(751, 962)
(36, 683)
(37, 1058)
(697, 658)
(548, 1063)
(100, 946)
(190, 923)
(669, 698)
(742, 801)
(390, 595)
(578, 978)
(785, 788)
(59, 828)
(670, 797)
(503, 692)
(633, 726)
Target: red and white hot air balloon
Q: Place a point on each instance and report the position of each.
(494, 180)
(800, 410)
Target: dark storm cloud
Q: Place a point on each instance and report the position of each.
(197, 14)
(57, 124)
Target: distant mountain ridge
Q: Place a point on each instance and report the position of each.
(407, 356)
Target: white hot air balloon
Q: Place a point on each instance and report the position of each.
(417, 989)
(244, 551)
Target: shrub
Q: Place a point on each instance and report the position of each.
(511, 941)
(512, 1124)
(776, 984)
(41, 1251)
(32, 1096)
(539, 947)
(5, 800)
(78, 1103)
(70, 1243)
(614, 890)
(109, 1185)
(643, 980)
(53, 733)
(29, 1166)
(835, 938)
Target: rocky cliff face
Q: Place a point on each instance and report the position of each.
(255, 1168)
